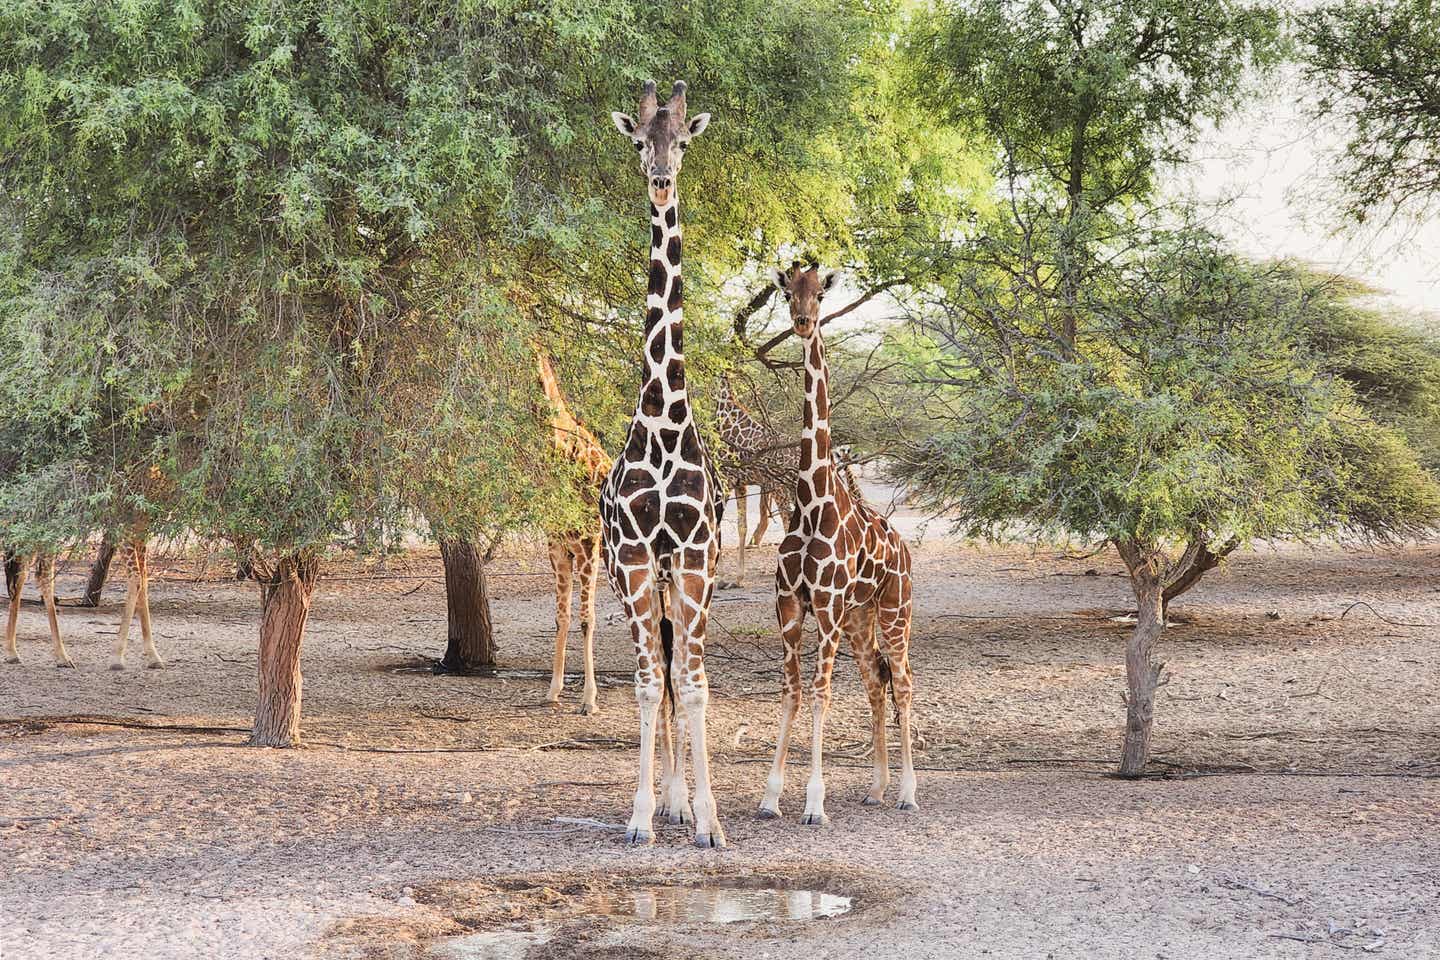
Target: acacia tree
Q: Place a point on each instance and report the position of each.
(1373, 64)
(1196, 415)
(1087, 100)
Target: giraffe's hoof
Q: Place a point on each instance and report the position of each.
(765, 813)
(117, 664)
(588, 710)
(12, 659)
(639, 836)
(814, 820)
(728, 585)
(680, 815)
(66, 664)
(710, 841)
(155, 665)
(871, 802)
(909, 806)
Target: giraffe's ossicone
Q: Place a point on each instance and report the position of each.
(660, 505)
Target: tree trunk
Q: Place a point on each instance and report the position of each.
(12, 572)
(471, 644)
(99, 572)
(285, 601)
(1145, 563)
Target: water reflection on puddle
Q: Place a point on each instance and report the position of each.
(720, 904)
(494, 945)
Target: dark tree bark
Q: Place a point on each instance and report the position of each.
(471, 643)
(285, 594)
(12, 572)
(1146, 564)
(99, 572)
(1197, 560)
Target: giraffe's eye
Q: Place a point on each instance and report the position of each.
(639, 146)
(684, 147)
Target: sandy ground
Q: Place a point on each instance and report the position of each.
(1300, 820)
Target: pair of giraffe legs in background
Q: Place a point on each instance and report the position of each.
(137, 598)
(575, 557)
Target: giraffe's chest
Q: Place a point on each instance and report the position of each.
(661, 492)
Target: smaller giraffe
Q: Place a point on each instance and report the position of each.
(575, 552)
(755, 455)
(843, 563)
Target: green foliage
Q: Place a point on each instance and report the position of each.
(1090, 98)
(1374, 65)
(307, 245)
(1196, 409)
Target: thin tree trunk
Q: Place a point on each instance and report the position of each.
(12, 572)
(471, 642)
(99, 572)
(1142, 671)
(285, 595)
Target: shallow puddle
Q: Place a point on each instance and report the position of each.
(494, 945)
(720, 904)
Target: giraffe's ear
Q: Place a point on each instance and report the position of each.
(827, 280)
(698, 123)
(624, 123)
(778, 278)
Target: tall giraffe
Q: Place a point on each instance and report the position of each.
(755, 455)
(575, 552)
(661, 505)
(845, 564)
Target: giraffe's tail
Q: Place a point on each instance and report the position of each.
(667, 648)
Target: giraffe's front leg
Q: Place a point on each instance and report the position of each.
(791, 614)
(152, 655)
(827, 622)
(693, 687)
(630, 572)
(895, 646)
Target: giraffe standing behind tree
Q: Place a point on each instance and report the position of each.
(756, 454)
(844, 563)
(661, 505)
(575, 553)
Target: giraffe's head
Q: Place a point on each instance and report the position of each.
(660, 135)
(804, 288)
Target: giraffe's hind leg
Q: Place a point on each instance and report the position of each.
(588, 566)
(894, 620)
(767, 503)
(827, 611)
(45, 573)
(860, 628)
(18, 568)
(560, 563)
(634, 580)
(674, 790)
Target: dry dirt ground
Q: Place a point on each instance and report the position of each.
(1299, 818)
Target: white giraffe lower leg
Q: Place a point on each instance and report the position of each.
(880, 779)
(708, 832)
(640, 829)
(562, 624)
(775, 784)
(122, 639)
(741, 505)
(815, 789)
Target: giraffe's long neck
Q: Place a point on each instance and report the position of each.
(815, 435)
(663, 398)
